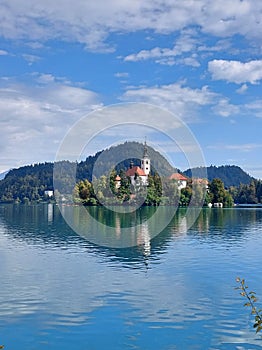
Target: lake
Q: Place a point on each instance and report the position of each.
(62, 290)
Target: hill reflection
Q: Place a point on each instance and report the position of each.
(44, 226)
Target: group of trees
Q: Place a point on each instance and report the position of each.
(104, 191)
(158, 191)
(231, 175)
(27, 183)
(200, 195)
(247, 193)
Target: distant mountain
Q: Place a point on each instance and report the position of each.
(231, 175)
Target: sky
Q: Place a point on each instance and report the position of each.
(198, 59)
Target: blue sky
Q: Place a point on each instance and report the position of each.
(199, 59)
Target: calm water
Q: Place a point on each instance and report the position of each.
(61, 291)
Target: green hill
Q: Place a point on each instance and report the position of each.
(231, 175)
(29, 182)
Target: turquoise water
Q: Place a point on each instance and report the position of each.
(61, 291)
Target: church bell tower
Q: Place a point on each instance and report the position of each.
(145, 161)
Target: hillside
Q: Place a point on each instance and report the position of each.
(231, 175)
(2, 175)
(30, 182)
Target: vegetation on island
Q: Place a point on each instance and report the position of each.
(227, 184)
(247, 193)
(231, 175)
(158, 191)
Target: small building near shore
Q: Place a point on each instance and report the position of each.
(218, 205)
(180, 179)
(49, 193)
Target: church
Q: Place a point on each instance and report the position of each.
(138, 175)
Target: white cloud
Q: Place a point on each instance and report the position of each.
(3, 53)
(121, 75)
(255, 108)
(31, 58)
(244, 147)
(177, 98)
(242, 89)
(91, 22)
(35, 119)
(225, 109)
(236, 71)
(184, 44)
(46, 78)
(190, 61)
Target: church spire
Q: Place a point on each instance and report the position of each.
(145, 161)
(145, 154)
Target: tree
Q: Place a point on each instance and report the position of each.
(170, 192)
(185, 196)
(124, 190)
(218, 194)
(153, 190)
(83, 192)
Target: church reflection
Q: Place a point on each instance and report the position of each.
(44, 225)
(50, 212)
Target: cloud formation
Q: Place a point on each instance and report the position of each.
(175, 97)
(35, 119)
(185, 44)
(236, 71)
(91, 22)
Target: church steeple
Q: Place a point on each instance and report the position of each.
(145, 155)
(145, 161)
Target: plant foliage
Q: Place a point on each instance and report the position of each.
(251, 300)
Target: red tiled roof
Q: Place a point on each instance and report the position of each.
(135, 170)
(178, 177)
(200, 181)
(118, 178)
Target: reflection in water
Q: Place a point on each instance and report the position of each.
(171, 292)
(108, 228)
(50, 212)
(43, 224)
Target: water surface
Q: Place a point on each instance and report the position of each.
(175, 291)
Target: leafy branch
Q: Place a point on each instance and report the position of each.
(251, 300)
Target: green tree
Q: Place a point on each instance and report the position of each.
(170, 192)
(185, 196)
(83, 192)
(153, 190)
(251, 193)
(218, 194)
(198, 195)
(124, 190)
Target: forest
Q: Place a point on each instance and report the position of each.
(28, 184)
(160, 191)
